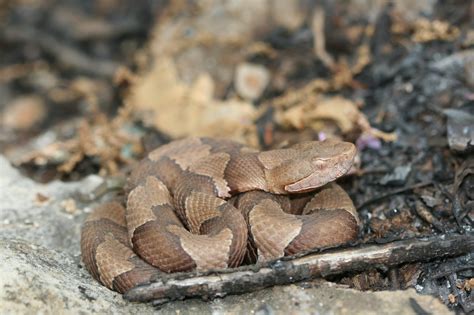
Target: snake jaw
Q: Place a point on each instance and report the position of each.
(325, 170)
(310, 182)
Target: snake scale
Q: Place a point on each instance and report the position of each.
(203, 204)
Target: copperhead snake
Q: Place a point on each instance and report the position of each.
(203, 204)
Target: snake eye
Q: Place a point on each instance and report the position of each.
(319, 163)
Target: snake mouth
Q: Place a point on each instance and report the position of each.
(308, 183)
(319, 178)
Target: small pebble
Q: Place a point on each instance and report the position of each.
(251, 80)
(24, 113)
(41, 199)
(460, 129)
(397, 177)
(69, 206)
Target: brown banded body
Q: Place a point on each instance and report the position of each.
(202, 204)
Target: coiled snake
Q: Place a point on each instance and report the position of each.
(203, 203)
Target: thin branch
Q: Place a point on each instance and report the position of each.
(250, 278)
(319, 41)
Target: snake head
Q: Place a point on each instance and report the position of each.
(308, 165)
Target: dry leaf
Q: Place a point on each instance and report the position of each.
(343, 112)
(165, 102)
(426, 30)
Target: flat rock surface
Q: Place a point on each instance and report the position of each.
(41, 272)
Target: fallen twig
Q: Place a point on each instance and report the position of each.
(250, 278)
(319, 44)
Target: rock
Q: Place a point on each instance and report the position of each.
(41, 270)
(251, 80)
(460, 128)
(397, 177)
(24, 113)
(40, 254)
(38, 280)
(453, 65)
